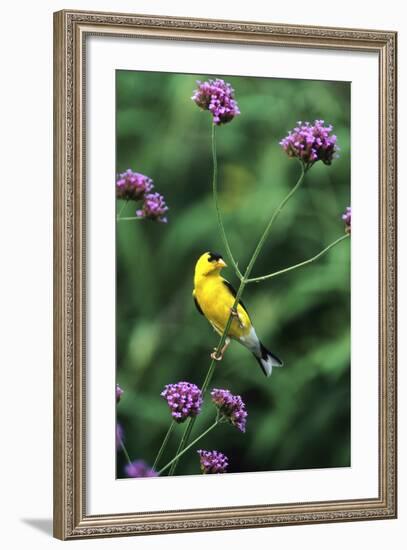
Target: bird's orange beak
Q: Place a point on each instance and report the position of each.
(221, 263)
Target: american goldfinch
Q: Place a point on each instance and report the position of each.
(214, 297)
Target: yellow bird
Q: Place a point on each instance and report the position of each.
(214, 298)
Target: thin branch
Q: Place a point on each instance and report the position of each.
(273, 218)
(163, 445)
(121, 210)
(126, 454)
(218, 212)
(178, 455)
(296, 266)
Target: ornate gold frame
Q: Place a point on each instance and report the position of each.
(70, 31)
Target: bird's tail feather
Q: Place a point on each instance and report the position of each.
(267, 360)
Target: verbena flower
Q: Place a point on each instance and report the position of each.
(139, 468)
(119, 393)
(311, 142)
(184, 399)
(217, 97)
(231, 407)
(132, 185)
(154, 208)
(213, 462)
(119, 436)
(347, 216)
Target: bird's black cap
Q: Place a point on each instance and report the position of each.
(214, 257)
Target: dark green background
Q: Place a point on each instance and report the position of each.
(300, 417)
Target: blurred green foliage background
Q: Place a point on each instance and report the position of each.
(300, 417)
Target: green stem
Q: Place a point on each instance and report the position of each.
(163, 445)
(190, 422)
(131, 218)
(178, 455)
(273, 218)
(296, 266)
(184, 440)
(121, 210)
(218, 212)
(126, 454)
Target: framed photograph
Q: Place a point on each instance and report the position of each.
(225, 274)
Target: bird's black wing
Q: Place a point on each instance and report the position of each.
(233, 292)
(198, 307)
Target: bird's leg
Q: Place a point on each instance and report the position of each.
(225, 347)
(235, 314)
(214, 354)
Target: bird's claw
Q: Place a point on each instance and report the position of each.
(214, 355)
(235, 314)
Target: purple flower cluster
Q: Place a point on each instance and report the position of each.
(136, 187)
(217, 97)
(347, 217)
(231, 407)
(184, 400)
(213, 462)
(119, 393)
(138, 468)
(311, 142)
(132, 186)
(154, 208)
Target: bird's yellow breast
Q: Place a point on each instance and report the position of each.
(216, 301)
